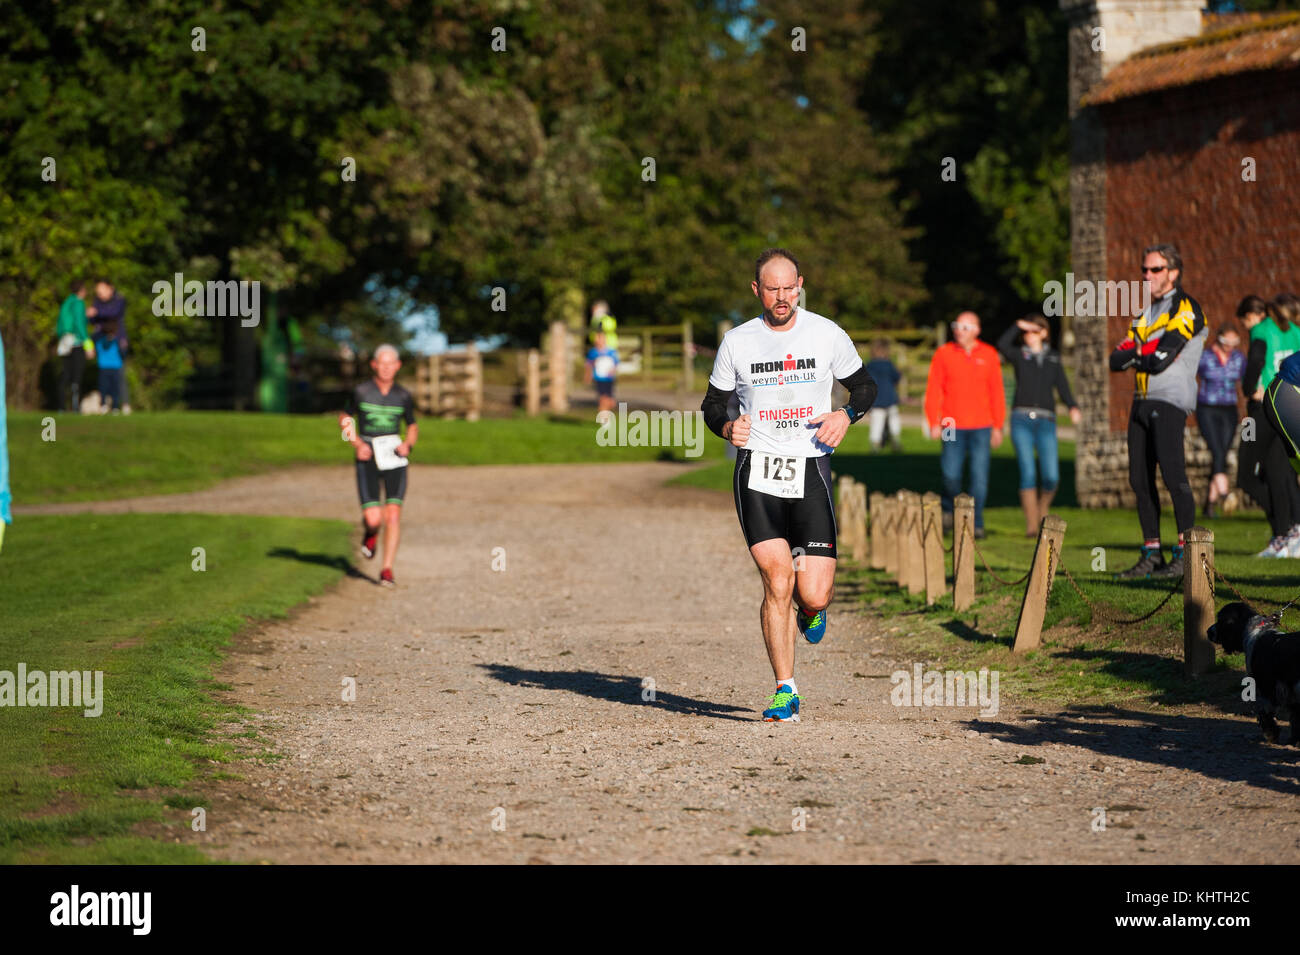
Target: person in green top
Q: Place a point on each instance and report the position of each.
(74, 342)
(602, 321)
(1272, 340)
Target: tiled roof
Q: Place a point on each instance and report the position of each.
(1265, 44)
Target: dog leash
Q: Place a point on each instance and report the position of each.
(1277, 617)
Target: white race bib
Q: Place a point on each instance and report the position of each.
(67, 343)
(386, 456)
(778, 475)
(603, 367)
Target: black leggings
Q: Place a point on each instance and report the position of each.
(1274, 451)
(73, 367)
(1217, 423)
(1155, 436)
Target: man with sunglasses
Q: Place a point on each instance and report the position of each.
(965, 408)
(1163, 346)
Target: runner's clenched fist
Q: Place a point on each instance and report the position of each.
(738, 431)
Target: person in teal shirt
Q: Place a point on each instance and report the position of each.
(73, 342)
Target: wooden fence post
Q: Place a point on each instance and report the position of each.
(688, 360)
(533, 384)
(932, 546)
(1198, 602)
(1047, 557)
(844, 511)
(859, 538)
(876, 514)
(963, 552)
(889, 533)
(912, 554)
(473, 383)
(558, 359)
(900, 538)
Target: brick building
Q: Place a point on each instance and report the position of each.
(1185, 128)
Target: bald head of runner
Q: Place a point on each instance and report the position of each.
(777, 283)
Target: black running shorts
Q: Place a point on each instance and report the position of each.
(806, 523)
(370, 478)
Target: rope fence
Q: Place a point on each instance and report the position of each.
(902, 534)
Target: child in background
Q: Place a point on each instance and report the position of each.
(108, 352)
(602, 368)
(885, 410)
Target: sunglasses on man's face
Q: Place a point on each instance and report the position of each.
(1158, 268)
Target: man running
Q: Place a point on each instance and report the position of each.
(381, 452)
(782, 366)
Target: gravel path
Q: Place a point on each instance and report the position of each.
(499, 714)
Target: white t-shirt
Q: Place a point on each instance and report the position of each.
(784, 379)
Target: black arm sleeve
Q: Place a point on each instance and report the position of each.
(862, 391)
(1063, 386)
(1254, 367)
(1166, 350)
(714, 407)
(1006, 344)
(1122, 358)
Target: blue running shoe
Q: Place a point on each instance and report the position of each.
(813, 628)
(784, 708)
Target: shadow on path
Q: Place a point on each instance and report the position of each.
(606, 686)
(325, 560)
(1215, 748)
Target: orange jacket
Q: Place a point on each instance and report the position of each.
(966, 387)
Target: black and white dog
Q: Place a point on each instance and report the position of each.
(1272, 661)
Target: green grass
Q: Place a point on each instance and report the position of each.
(118, 594)
(103, 457)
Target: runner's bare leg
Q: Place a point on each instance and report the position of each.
(776, 567)
(814, 582)
(392, 533)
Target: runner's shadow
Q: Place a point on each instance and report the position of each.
(324, 560)
(606, 686)
(1214, 747)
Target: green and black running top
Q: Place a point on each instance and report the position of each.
(377, 413)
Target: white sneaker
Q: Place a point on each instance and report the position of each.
(1291, 543)
(1276, 548)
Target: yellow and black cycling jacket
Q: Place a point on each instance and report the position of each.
(1152, 347)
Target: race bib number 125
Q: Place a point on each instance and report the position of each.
(777, 475)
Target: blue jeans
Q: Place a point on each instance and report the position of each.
(972, 442)
(111, 386)
(1037, 434)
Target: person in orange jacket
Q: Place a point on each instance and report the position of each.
(965, 408)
